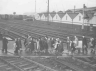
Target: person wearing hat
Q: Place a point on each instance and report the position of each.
(5, 42)
(17, 46)
(84, 44)
(1, 36)
(68, 43)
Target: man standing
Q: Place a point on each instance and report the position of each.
(5, 42)
(73, 47)
(17, 46)
(1, 36)
(68, 44)
(20, 45)
(93, 42)
(31, 45)
(84, 44)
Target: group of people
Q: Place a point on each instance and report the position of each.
(43, 44)
(51, 45)
(86, 43)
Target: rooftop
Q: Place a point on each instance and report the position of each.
(72, 15)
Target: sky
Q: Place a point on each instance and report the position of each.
(23, 6)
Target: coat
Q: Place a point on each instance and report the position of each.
(5, 42)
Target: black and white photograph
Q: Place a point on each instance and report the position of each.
(47, 35)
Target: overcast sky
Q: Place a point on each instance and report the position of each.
(22, 6)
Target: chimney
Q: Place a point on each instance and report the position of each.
(74, 9)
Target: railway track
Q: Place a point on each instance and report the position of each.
(54, 27)
(88, 60)
(4, 66)
(42, 30)
(11, 34)
(63, 63)
(21, 64)
(36, 31)
(38, 64)
(81, 64)
(45, 63)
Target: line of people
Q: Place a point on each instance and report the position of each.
(73, 44)
(51, 45)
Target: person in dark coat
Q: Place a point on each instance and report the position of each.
(31, 46)
(5, 42)
(73, 47)
(84, 44)
(60, 47)
(1, 36)
(68, 44)
(20, 43)
(41, 44)
(46, 45)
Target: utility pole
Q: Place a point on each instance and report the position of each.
(83, 16)
(35, 6)
(35, 11)
(74, 9)
(48, 12)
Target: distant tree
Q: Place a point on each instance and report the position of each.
(14, 13)
(60, 11)
(53, 11)
(68, 11)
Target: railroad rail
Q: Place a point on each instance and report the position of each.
(21, 64)
(63, 63)
(50, 32)
(35, 31)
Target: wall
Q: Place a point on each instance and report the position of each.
(68, 20)
(56, 18)
(50, 18)
(93, 20)
(43, 17)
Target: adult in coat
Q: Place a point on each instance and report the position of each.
(84, 44)
(5, 42)
(1, 36)
(17, 46)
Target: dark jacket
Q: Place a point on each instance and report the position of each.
(5, 42)
(84, 41)
(1, 36)
(93, 43)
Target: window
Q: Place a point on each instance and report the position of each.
(79, 18)
(66, 17)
